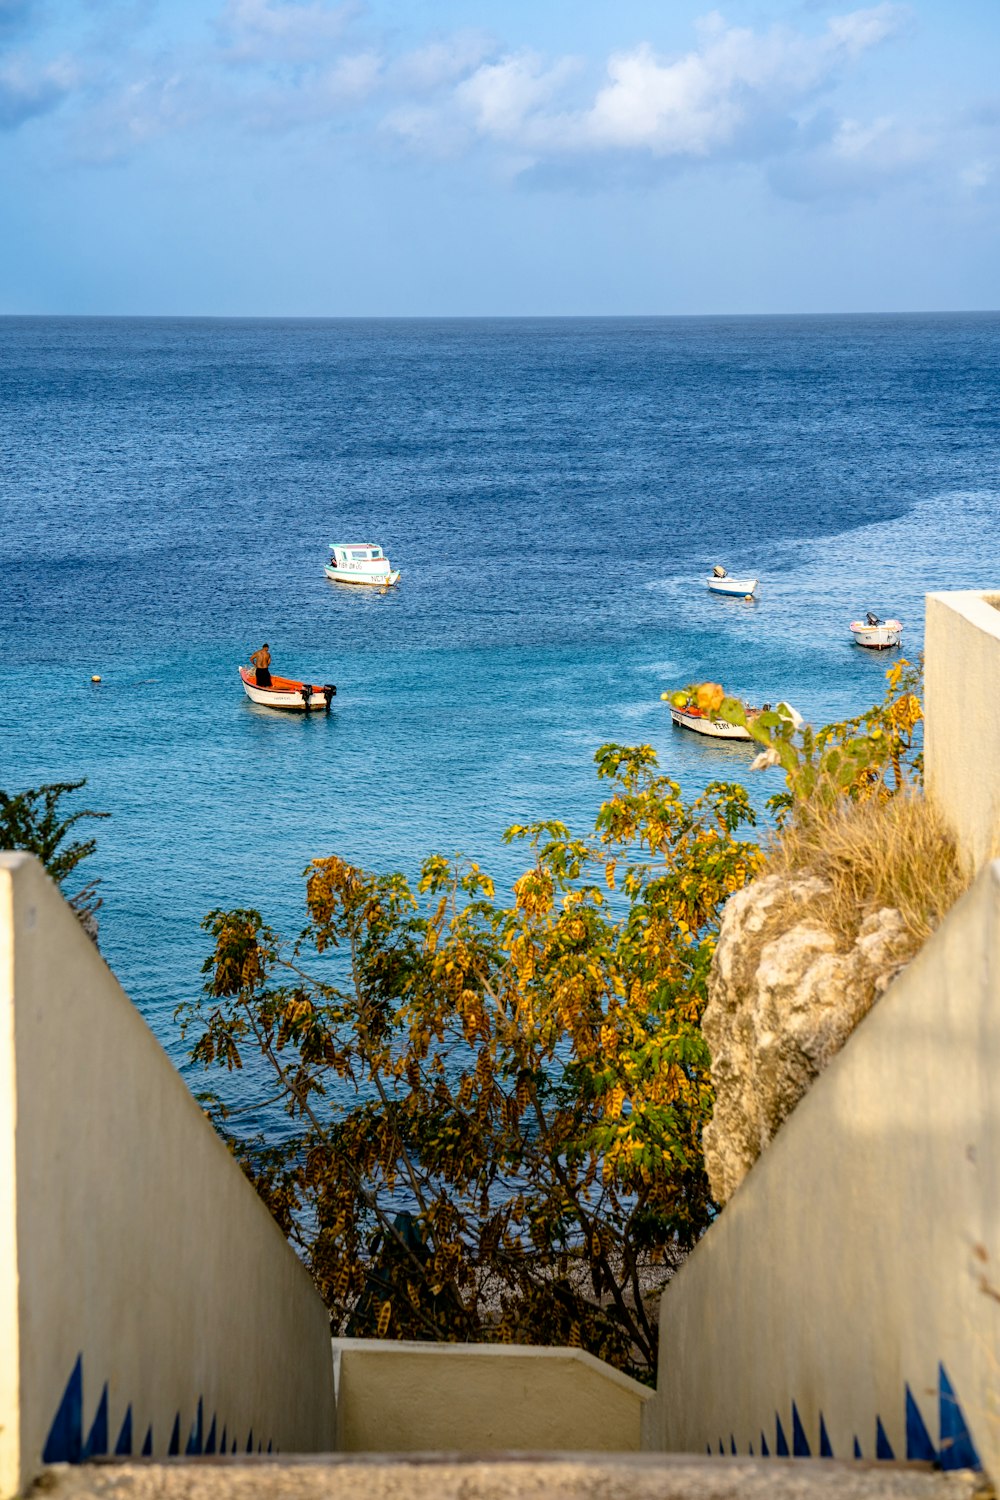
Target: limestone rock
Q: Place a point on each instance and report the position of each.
(782, 1001)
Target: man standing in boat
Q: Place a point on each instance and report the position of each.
(262, 661)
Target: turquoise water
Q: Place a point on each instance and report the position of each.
(554, 493)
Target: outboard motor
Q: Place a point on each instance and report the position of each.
(872, 619)
(719, 571)
(329, 691)
(306, 694)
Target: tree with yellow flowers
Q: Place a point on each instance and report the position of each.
(495, 1110)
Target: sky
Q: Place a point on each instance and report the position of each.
(530, 157)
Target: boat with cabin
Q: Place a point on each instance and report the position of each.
(286, 693)
(721, 582)
(360, 562)
(877, 634)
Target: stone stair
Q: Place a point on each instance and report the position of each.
(653, 1476)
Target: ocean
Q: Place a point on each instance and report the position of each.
(554, 492)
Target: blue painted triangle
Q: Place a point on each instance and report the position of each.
(765, 1451)
(732, 1444)
(721, 1449)
(196, 1438)
(919, 1443)
(883, 1447)
(222, 1445)
(957, 1450)
(750, 1449)
(800, 1443)
(175, 1438)
(123, 1447)
(825, 1446)
(64, 1444)
(210, 1440)
(857, 1449)
(780, 1441)
(147, 1442)
(708, 1449)
(250, 1441)
(234, 1445)
(269, 1441)
(96, 1445)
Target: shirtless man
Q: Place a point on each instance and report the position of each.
(262, 660)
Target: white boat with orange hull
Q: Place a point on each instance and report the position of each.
(285, 693)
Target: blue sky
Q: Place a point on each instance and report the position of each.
(404, 157)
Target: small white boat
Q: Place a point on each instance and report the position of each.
(716, 729)
(877, 634)
(286, 693)
(360, 562)
(721, 582)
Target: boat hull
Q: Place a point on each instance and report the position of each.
(288, 695)
(877, 637)
(367, 580)
(715, 729)
(739, 587)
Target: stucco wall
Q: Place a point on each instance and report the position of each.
(135, 1258)
(453, 1398)
(962, 707)
(842, 1291)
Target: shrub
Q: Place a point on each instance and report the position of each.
(33, 821)
(873, 854)
(495, 1110)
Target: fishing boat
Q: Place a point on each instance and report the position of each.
(690, 717)
(286, 693)
(877, 634)
(721, 582)
(360, 562)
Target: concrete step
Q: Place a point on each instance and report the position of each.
(647, 1476)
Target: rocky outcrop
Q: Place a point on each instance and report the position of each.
(782, 1001)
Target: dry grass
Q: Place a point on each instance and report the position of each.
(873, 854)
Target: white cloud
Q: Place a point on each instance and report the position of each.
(860, 29)
(857, 158)
(441, 62)
(282, 31)
(28, 88)
(503, 98)
(977, 175)
(762, 95)
(733, 83)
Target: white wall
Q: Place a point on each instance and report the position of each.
(962, 709)
(481, 1398)
(849, 1265)
(129, 1238)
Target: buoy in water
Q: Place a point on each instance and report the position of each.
(95, 678)
(748, 598)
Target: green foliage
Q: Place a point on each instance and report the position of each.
(34, 821)
(873, 755)
(495, 1111)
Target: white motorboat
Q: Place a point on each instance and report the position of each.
(287, 693)
(360, 562)
(702, 723)
(721, 582)
(877, 634)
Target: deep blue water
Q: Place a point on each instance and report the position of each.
(554, 493)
